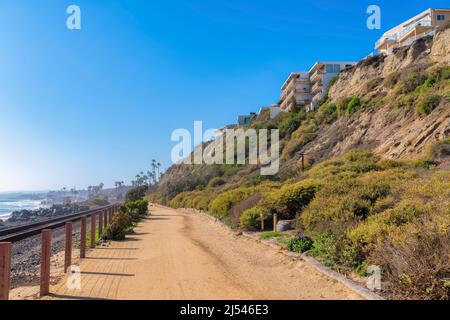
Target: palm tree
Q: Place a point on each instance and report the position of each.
(138, 179)
(149, 177)
(154, 166)
(159, 168)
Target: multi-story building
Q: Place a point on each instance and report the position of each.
(425, 23)
(246, 119)
(295, 91)
(320, 76)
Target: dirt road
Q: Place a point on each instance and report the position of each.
(188, 256)
(183, 255)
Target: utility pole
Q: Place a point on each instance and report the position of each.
(303, 161)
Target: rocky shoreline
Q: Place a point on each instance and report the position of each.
(26, 253)
(22, 217)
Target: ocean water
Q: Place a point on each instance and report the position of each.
(10, 202)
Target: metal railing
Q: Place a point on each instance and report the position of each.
(9, 236)
(420, 23)
(397, 36)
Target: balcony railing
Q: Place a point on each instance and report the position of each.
(317, 75)
(397, 36)
(422, 23)
(302, 92)
(316, 87)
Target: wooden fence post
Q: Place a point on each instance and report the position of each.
(100, 223)
(5, 269)
(68, 252)
(83, 238)
(93, 227)
(275, 222)
(105, 212)
(46, 252)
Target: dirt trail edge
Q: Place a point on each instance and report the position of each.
(180, 255)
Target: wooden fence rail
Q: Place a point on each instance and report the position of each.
(9, 236)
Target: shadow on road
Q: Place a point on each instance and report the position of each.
(107, 274)
(67, 297)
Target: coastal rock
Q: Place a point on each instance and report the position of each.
(45, 213)
(284, 225)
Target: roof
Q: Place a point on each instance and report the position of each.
(292, 76)
(321, 63)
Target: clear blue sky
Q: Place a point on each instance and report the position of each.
(96, 105)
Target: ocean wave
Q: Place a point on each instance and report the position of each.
(10, 204)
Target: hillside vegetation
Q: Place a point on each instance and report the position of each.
(376, 187)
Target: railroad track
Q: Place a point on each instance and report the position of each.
(15, 234)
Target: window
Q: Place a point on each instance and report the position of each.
(440, 17)
(333, 68)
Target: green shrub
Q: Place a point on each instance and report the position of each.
(136, 209)
(429, 83)
(300, 243)
(427, 103)
(355, 161)
(304, 134)
(238, 209)
(336, 251)
(410, 79)
(136, 193)
(290, 122)
(353, 105)
(404, 213)
(225, 201)
(290, 199)
(346, 199)
(179, 200)
(201, 202)
(251, 219)
(324, 246)
(118, 228)
(229, 169)
(327, 114)
(438, 74)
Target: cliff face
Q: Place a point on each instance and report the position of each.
(402, 108)
(403, 137)
(390, 128)
(425, 51)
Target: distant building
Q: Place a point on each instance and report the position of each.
(246, 119)
(295, 91)
(320, 76)
(273, 109)
(425, 23)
